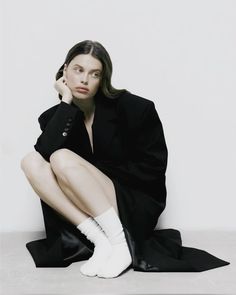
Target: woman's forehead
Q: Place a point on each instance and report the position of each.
(87, 61)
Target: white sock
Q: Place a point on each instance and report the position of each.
(102, 249)
(120, 257)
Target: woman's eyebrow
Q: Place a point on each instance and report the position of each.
(91, 70)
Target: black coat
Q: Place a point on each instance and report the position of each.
(130, 148)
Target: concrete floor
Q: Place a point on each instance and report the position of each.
(20, 276)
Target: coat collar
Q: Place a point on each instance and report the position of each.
(103, 105)
(104, 124)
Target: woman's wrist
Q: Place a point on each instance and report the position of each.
(67, 98)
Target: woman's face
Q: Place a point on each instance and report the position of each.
(83, 71)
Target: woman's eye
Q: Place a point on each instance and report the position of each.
(96, 75)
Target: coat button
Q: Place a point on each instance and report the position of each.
(64, 133)
(66, 129)
(70, 119)
(68, 124)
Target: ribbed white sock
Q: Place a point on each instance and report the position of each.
(102, 249)
(120, 257)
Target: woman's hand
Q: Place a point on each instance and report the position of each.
(61, 86)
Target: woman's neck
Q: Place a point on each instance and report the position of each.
(87, 106)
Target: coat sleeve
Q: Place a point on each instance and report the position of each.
(147, 163)
(55, 124)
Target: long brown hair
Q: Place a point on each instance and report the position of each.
(97, 50)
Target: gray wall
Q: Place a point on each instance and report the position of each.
(180, 54)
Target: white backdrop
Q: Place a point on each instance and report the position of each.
(180, 54)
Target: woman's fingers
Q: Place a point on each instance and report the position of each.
(61, 86)
(64, 79)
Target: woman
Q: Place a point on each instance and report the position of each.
(99, 169)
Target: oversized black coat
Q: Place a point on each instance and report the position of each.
(130, 148)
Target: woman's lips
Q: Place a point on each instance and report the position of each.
(81, 90)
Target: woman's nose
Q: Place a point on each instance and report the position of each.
(84, 79)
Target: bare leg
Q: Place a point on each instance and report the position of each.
(43, 181)
(85, 185)
(95, 187)
(74, 174)
(88, 190)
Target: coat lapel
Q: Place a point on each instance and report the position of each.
(104, 124)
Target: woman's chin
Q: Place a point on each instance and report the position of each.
(78, 95)
(81, 96)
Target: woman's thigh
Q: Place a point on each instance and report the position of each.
(32, 163)
(71, 159)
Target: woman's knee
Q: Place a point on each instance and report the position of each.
(31, 163)
(59, 161)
